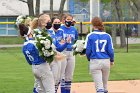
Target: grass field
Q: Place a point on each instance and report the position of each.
(16, 75)
(11, 40)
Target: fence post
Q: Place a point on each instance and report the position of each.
(81, 30)
(127, 37)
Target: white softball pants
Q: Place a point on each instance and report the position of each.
(100, 70)
(44, 78)
(68, 66)
(56, 70)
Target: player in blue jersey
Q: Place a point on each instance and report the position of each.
(56, 31)
(41, 69)
(57, 34)
(100, 54)
(68, 65)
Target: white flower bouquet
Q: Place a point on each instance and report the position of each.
(20, 19)
(44, 45)
(79, 47)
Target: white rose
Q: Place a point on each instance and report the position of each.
(52, 53)
(43, 49)
(42, 37)
(21, 20)
(36, 30)
(80, 45)
(53, 47)
(77, 50)
(33, 35)
(46, 53)
(38, 36)
(74, 46)
(39, 32)
(42, 41)
(47, 44)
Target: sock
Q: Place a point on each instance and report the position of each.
(56, 87)
(68, 86)
(34, 90)
(106, 91)
(100, 91)
(63, 86)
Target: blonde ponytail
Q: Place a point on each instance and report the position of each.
(34, 23)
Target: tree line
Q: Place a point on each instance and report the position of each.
(36, 12)
(117, 13)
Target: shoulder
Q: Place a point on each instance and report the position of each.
(90, 34)
(29, 44)
(62, 26)
(50, 30)
(72, 27)
(60, 30)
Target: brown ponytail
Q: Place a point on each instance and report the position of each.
(97, 23)
(23, 29)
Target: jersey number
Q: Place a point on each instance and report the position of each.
(103, 45)
(29, 56)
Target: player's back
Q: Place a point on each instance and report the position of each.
(100, 45)
(31, 53)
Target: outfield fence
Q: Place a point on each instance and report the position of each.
(128, 25)
(81, 29)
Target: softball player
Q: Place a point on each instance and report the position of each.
(68, 65)
(100, 53)
(41, 69)
(57, 34)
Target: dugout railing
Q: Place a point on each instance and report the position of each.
(89, 23)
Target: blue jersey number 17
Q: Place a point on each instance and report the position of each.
(102, 47)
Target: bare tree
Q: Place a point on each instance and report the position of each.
(133, 9)
(37, 8)
(113, 32)
(51, 8)
(137, 6)
(30, 6)
(61, 8)
(120, 18)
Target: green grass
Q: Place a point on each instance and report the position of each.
(132, 48)
(126, 68)
(11, 40)
(16, 75)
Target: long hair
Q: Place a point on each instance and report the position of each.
(97, 23)
(34, 23)
(23, 29)
(41, 19)
(28, 21)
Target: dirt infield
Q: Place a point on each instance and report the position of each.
(130, 86)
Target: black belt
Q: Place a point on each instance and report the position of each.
(69, 49)
(36, 64)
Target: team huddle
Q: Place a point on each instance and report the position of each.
(51, 38)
